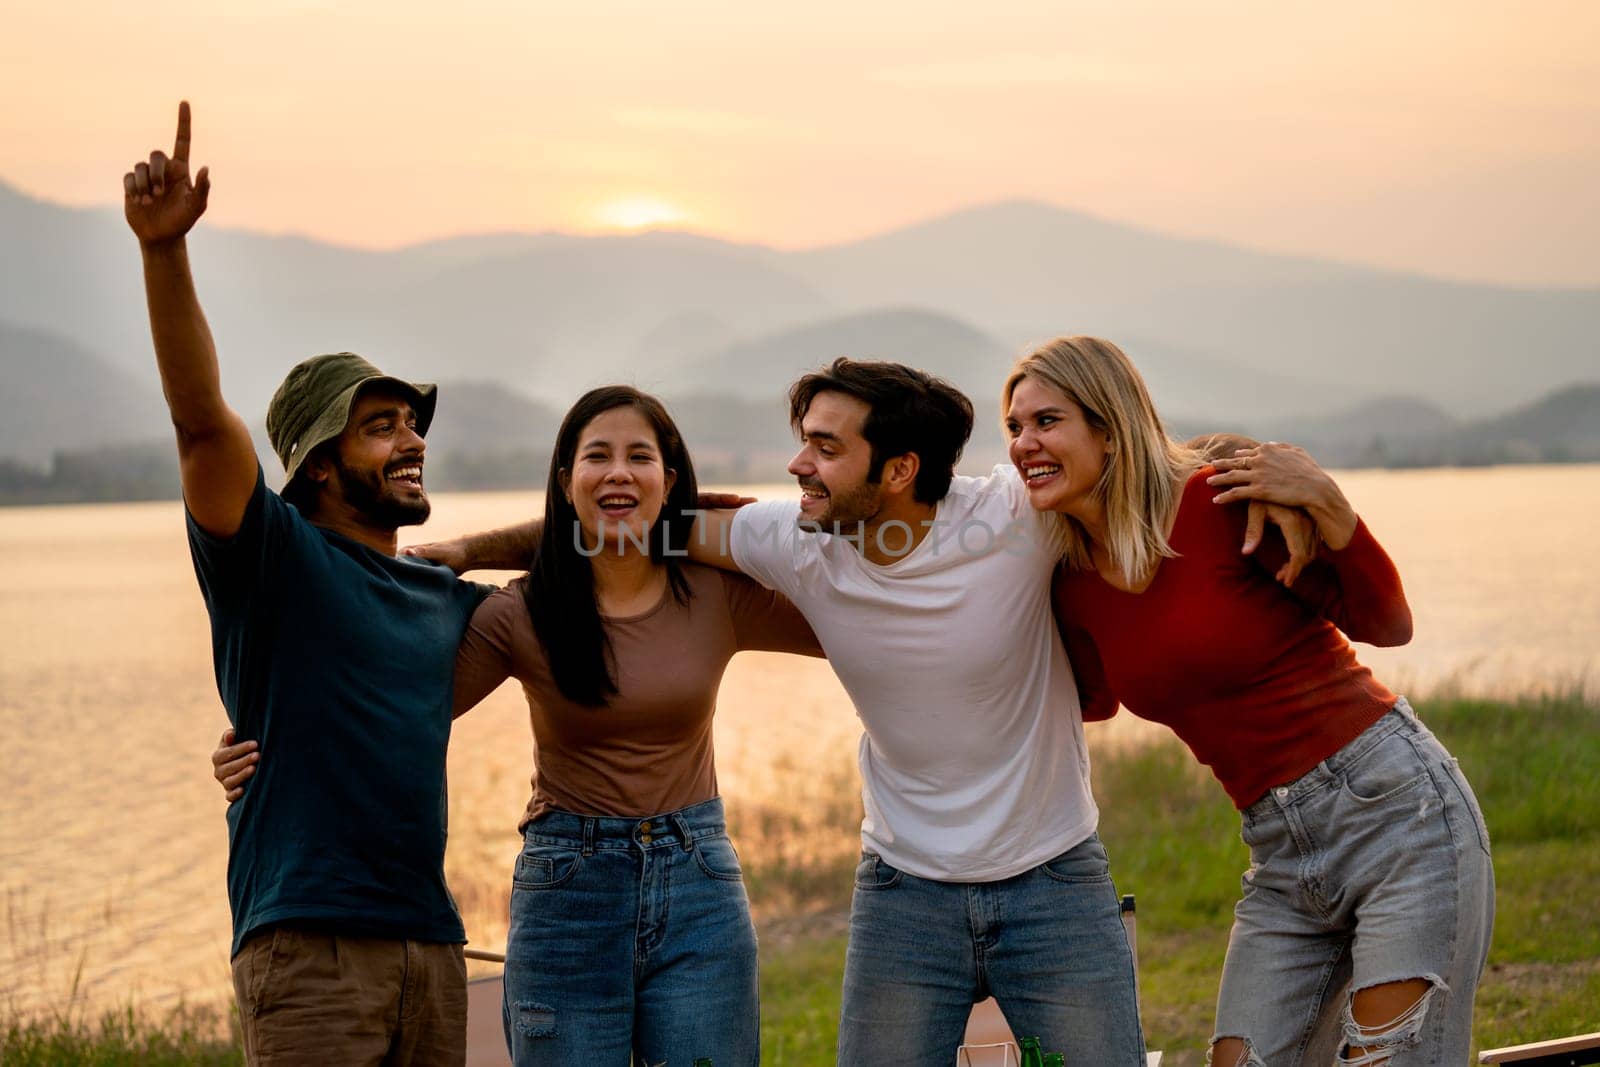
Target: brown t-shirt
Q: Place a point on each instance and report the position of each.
(649, 750)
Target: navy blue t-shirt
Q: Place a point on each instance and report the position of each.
(339, 660)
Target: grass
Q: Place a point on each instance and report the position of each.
(183, 1037)
(1173, 838)
(800, 1000)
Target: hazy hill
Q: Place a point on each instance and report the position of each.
(1391, 419)
(547, 314)
(1030, 267)
(1184, 383)
(762, 367)
(1563, 426)
(58, 394)
(1219, 329)
(1023, 271)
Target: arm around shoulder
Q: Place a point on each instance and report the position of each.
(510, 548)
(711, 540)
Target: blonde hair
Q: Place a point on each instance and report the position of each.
(1144, 471)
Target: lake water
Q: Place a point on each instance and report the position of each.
(112, 841)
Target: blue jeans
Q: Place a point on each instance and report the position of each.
(630, 938)
(1372, 868)
(1048, 944)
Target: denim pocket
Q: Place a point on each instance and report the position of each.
(545, 866)
(717, 858)
(873, 873)
(1086, 862)
(1452, 770)
(1389, 769)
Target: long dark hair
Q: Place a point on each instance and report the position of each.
(560, 593)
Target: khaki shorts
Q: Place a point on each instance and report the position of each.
(311, 997)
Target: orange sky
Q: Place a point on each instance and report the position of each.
(1458, 138)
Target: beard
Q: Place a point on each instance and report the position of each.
(848, 509)
(369, 494)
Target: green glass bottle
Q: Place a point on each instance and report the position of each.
(1029, 1047)
(703, 1061)
(1054, 1059)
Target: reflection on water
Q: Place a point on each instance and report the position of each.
(112, 842)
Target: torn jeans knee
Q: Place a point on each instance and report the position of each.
(535, 1020)
(1247, 1052)
(1383, 1041)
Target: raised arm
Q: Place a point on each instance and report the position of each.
(217, 461)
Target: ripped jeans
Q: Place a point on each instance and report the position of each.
(630, 938)
(1371, 868)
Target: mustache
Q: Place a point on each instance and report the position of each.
(812, 483)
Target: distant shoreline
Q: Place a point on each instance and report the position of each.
(47, 491)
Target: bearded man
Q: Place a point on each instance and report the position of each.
(335, 652)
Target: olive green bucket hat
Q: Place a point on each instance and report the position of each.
(313, 404)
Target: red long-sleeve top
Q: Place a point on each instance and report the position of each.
(1256, 679)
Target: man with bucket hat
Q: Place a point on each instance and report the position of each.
(337, 653)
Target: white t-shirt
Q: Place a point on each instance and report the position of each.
(973, 765)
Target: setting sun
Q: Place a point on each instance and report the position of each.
(638, 213)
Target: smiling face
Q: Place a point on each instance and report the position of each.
(618, 480)
(834, 462)
(1058, 453)
(375, 466)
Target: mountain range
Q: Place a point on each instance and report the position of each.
(1226, 336)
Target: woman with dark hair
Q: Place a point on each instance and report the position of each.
(630, 928)
(1366, 912)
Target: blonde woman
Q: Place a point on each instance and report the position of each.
(1367, 908)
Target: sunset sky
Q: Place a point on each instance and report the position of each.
(1456, 138)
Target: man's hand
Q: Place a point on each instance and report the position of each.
(160, 202)
(232, 765)
(1283, 474)
(452, 554)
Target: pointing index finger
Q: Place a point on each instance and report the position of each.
(180, 146)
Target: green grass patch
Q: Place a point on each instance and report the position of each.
(184, 1037)
(1535, 765)
(800, 984)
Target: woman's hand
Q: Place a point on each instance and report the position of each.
(1283, 474)
(232, 765)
